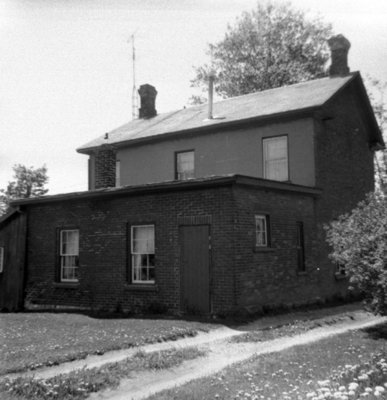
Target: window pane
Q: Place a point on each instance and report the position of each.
(143, 240)
(151, 272)
(69, 250)
(261, 231)
(136, 260)
(143, 248)
(70, 242)
(185, 165)
(275, 153)
(136, 273)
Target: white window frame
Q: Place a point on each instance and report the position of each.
(182, 176)
(262, 240)
(64, 256)
(1, 259)
(340, 270)
(284, 160)
(133, 255)
(118, 173)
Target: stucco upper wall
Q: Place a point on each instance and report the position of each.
(234, 152)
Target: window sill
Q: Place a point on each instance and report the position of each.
(340, 277)
(258, 249)
(138, 287)
(66, 285)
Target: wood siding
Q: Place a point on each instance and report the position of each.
(13, 240)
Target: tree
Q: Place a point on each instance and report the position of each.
(376, 90)
(29, 182)
(359, 239)
(359, 243)
(271, 46)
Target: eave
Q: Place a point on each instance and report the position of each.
(170, 186)
(204, 130)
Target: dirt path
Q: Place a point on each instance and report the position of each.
(92, 361)
(200, 339)
(221, 354)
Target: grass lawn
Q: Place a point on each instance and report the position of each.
(348, 366)
(30, 340)
(78, 385)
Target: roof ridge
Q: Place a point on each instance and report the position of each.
(276, 101)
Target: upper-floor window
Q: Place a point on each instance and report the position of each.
(69, 255)
(275, 158)
(143, 253)
(185, 165)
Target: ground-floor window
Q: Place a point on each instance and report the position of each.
(1, 259)
(262, 234)
(340, 269)
(300, 247)
(143, 253)
(69, 255)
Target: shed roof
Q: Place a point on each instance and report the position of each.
(305, 96)
(163, 187)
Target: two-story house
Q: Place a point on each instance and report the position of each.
(210, 209)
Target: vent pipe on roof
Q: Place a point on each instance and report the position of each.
(339, 46)
(148, 95)
(211, 78)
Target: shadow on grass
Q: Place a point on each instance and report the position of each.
(378, 332)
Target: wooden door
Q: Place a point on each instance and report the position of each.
(195, 269)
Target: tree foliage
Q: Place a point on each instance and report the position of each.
(271, 46)
(359, 243)
(28, 182)
(377, 94)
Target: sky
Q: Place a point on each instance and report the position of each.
(66, 67)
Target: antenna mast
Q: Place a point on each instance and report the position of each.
(134, 90)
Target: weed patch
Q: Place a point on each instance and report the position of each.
(79, 384)
(344, 367)
(33, 340)
(295, 328)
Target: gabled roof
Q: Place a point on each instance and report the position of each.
(285, 100)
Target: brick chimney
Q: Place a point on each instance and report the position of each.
(339, 46)
(148, 99)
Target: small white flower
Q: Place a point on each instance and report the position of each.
(353, 386)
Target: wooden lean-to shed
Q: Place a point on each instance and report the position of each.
(13, 228)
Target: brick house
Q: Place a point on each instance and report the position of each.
(203, 210)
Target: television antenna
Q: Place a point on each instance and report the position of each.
(134, 89)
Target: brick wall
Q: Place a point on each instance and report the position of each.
(105, 168)
(242, 277)
(270, 276)
(344, 169)
(104, 256)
